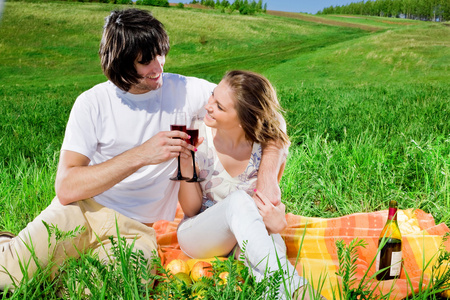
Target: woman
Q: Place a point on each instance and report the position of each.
(241, 117)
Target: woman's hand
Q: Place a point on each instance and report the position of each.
(186, 161)
(273, 215)
(186, 164)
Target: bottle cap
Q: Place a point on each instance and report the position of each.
(393, 204)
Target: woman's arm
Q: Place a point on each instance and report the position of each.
(190, 193)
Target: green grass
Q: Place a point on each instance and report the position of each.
(356, 148)
(367, 112)
(403, 56)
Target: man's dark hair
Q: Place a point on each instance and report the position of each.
(128, 35)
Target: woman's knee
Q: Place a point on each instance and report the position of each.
(239, 202)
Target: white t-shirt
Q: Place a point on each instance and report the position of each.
(106, 121)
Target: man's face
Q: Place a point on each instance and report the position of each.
(151, 73)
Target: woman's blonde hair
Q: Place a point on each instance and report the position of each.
(257, 107)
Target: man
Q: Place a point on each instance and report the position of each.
(118, 152)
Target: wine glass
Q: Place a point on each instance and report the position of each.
(193, 132)
(178, 123)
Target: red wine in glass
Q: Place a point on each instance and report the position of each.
(179, 124)
(178, 127)
(193, 132)
(194, 136)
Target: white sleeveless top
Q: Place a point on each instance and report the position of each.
(219, 184)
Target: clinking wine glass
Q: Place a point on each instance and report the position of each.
(179, 123)
(193, 132)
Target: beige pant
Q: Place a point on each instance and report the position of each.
(100, 224)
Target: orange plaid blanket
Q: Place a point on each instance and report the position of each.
(318, 254)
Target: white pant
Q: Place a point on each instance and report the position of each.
(235, 220)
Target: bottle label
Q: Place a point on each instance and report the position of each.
(392, 213)
(396, 263)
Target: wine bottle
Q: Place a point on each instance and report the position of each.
(389, 258)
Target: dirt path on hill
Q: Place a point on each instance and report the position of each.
(310, 18)
(304, 17)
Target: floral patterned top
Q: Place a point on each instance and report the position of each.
(218, 184)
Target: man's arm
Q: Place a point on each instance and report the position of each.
(270, 171)
(268, 195)
(77, 180)
(271, 168)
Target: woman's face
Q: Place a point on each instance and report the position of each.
(220, 110)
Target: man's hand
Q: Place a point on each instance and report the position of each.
(272, 191)
(164, 146)
(273, 215)
(77, 180)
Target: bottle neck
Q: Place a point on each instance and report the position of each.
(392, 215)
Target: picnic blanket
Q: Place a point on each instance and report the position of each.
(318, 254)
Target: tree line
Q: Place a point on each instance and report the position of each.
(425, 10)
(244, 7)
(163, 3)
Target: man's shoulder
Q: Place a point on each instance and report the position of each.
(101, 88)
(96, 95)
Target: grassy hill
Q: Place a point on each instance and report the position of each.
(366, 99)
